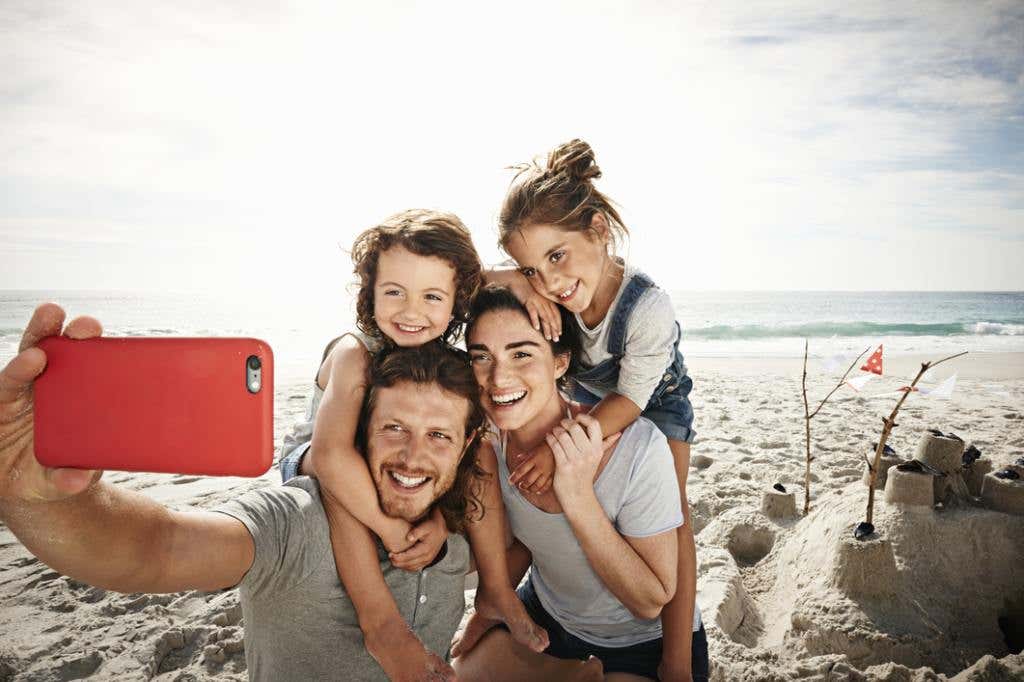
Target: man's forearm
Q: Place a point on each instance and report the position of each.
(104, 536)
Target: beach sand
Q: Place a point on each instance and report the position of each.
(938, 592)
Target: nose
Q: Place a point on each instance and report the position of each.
(412, 451)
(411, 311)
(499, 374)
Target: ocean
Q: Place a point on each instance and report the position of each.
(719, 324)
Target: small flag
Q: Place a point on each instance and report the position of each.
(943, 390)
(874, 363)
(858, 382)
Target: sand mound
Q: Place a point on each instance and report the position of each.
(931, 594)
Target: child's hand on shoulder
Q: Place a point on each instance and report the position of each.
(427, 538)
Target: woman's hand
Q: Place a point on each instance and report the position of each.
(427, 537)
(578, 449)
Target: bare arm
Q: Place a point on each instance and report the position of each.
(615, 412)
(124, 541)
(519, 559)
(341, 469)
(640, 572)
(487, 534)
(87, 529)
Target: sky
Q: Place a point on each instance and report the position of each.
(240, 146)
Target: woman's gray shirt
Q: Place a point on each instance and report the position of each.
(638, 491)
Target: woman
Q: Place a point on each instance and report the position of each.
(601, 543)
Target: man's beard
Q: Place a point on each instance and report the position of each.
(410, 509)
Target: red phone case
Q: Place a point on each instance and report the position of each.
(175, 405)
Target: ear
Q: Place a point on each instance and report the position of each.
(599, 225)
(562, 364)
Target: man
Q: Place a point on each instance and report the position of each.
(273, 543)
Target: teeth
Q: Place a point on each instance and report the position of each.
(508, 397)
(407, 328)
(408, 481)
(568, 292)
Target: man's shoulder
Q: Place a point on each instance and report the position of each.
(295, 502)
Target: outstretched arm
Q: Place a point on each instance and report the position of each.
(124, 541)
(91, 531)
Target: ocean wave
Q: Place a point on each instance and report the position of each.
(997, 328)
(849, 329)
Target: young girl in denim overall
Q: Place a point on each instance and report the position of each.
(561, 232)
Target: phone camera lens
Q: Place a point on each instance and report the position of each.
(254, 363)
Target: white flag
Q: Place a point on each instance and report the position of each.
(833, 363)
(858, 382)
(943, 390)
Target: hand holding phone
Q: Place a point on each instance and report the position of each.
(22, 477)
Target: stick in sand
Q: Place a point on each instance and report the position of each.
(889, 423)
(808, 416)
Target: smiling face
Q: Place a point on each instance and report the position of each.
(413, 296)
(414, 441)
(564, 266)
(515, 368)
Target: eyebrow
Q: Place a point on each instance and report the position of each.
(396, 284)
(508, 346)
(553, 249)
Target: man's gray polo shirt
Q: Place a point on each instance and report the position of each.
(299, 623)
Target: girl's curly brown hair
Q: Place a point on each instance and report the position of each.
(423, 232)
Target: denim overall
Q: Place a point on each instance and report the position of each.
(669, 407)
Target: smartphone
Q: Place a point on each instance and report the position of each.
(166, 404)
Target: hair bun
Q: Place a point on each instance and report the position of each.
(575, 159)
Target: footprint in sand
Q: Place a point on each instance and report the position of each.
(773, 444)
(179, 480)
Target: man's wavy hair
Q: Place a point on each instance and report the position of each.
(423, 232)
(448, 368)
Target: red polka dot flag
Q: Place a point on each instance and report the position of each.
(874, 363)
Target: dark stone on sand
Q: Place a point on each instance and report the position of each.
(863, 530)
(887, 450)
(971, 455)
(919, 467)
(940, 434)
(781, 488)
(1007, 474)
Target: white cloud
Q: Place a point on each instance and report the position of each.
(191, 129)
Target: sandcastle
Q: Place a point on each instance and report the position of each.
(1004, 494)
(949, 478)
(886, 463)
(778, 503)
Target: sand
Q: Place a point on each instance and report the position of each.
(935, 596)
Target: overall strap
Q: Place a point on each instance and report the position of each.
(638, 283)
